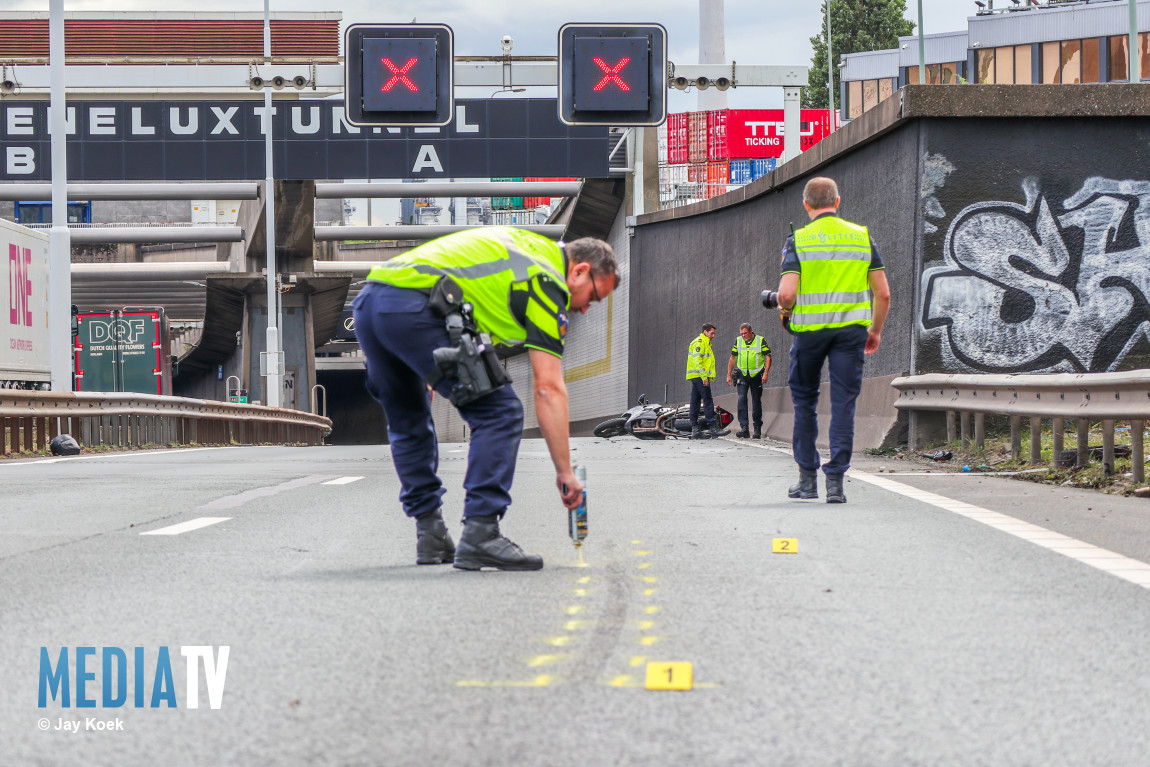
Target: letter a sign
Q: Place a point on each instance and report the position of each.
(399, 74)
(612, 74)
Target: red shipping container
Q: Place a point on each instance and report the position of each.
(718, 176)
(697, 137)
(535, 202)
(677, 144)
(753, 133)
(697, 172)
(717, 135)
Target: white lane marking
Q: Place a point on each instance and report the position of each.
(239, 499)
(128, 454)
(1133, 570)
(186, 527)
(342, 481)
(1115, 564)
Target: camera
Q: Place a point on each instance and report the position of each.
(770, 299)
(506, 42)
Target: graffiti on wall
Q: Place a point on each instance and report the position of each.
(1031, 288)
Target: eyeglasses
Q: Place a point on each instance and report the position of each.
(594, 289)
(746, 331)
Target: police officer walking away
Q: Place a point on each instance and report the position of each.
(750, 363)
(830, 270)
(432, 316)
(701, 372)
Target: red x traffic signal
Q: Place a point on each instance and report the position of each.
(612, 74)
(399, 74)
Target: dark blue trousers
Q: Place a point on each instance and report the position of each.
(398, 332)
(701, 394)
(843, 349)
(751, 388)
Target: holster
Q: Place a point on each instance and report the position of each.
(470, 358)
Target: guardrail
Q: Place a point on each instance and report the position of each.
(1085, 397)
(29, 420)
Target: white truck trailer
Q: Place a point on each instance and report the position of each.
(24, 358)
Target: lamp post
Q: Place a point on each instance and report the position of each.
(921, 49)
(830, 72)
(59, 239)
(274, 379)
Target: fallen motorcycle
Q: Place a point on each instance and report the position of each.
(649, 420)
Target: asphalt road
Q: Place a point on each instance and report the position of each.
(932, 620)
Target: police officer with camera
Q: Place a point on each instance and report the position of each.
(433, 315)
(830, 270)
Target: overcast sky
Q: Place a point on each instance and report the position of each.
(758, 32)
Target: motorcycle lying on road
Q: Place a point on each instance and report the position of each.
(651, 420)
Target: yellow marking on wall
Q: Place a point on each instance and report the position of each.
(573, 610)
(600, 366)
(544, 660)
(638, 660)
(651, 610)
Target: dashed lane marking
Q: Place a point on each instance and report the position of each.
(342, 481)
(187, 527)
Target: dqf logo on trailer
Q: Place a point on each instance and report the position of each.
(120, 331)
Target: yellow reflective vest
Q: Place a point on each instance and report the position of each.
(750, 359)
(834, 290)
(700, 359)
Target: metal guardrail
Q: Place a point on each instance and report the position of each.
(1085, 397)
(29, 420)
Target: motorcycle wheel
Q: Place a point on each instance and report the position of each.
(613, 427)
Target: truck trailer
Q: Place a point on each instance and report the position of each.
(24, 353)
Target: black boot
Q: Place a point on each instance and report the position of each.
(717, 430)
(808, 486)
(696, 432)
(481, 545)
(433, 544)
(835, 492)
(743, 433)
(758, 433)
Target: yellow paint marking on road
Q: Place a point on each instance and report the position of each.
(670, 676)
(576, 625)
(644, 566)
(584, 579)
(540, 681)
(544, 660)
(641, 553)
(644, 625)
(648, 592)
(558, 641)
(573, 609)
(648, 579)
(579, 592)
(652, 609)
(707, 685)
(472, 684)
(649, 640)
(621, 681)
(636, 543)
(638, 660)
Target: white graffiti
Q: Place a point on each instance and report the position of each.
(1024, 289)
(935, 169)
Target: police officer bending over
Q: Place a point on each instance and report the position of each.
(830, 269)
(432, 316)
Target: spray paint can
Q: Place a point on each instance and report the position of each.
(577, 517)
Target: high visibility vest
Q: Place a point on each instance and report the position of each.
(700, 359)
(490, 265)
(833, 287)
(750, 358)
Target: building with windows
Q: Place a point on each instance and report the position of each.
(1057, 42)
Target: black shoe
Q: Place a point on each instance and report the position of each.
(835, 492)
(758, 434)
(808, 486)
(481, 545)
(696, 432)
(717, 431)
(742, 433)
(433, 544)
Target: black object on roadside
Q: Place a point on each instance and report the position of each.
(938, 455)
(64, 444)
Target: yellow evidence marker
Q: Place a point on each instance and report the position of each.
(670, 676)
(785, 546)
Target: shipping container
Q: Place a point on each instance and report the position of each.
(24, 353)
(718, 177)
(717, 148)
(128, 351)
(697, 137)
(530, 203)
(512, 217)
(762, 167)
(741, 171)
(661, 140)
(507, 203)
(697, 172)
(758, 133)
(677, 140)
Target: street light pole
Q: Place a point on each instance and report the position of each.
(921, 49)
(830, 72)
(274, 379)
(1135, 70)
(59, 239)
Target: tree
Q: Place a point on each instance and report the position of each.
(857, 25)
